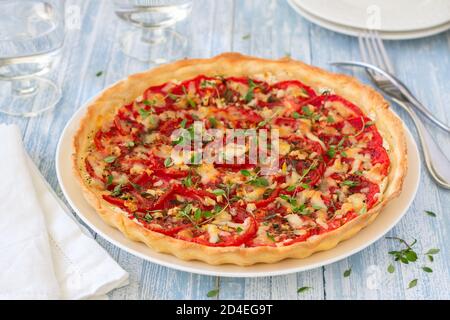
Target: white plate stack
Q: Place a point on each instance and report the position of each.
(394, 20)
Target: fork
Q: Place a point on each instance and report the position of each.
(372, 50)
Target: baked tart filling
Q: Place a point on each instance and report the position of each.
(334, 167)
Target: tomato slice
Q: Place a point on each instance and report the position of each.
(379, 155)
(346, 103)
(90, 170)
(143, 180)
(370, 189)
(98, 140)
(115, 201)
(139, 154)
(235, 166)
(166, 128)
(264, 203)
(284, 121)
(168, 174)
(301, 238)
(161, 203)
(233, 240)
(167, 231)
(295, 83)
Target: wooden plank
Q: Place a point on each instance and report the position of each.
(266, 28)
(369, 278)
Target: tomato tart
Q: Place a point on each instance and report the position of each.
(342, 157)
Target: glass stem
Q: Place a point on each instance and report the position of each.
(152, 35)
(24, 86)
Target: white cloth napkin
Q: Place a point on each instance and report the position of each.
(44, 252)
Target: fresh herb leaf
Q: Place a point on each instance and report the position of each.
(148, 217)
(213, 121)
(296, 115)
(270, 236)
(430, 213)
(331, 152)
(246, 36)
(347, 272)
(259, 182)
(186, 211)
(406, 255)
(411, 256)
(286, 197)
(250, 93)
(391, 268)
(219, 192)
(330, 119)
(110, 159)
(427, 269)
(363, 209)
(207, 84)
(307, 111)
(245, 173)
(117, 191)
(291, 188)
(144, 113)
(195, 159)
(198, 214)
(412, 284)
(130, 144)
(262, 124)
(168, 162)
(149, 103)
(99, 73)
(239, 229)
(177, 141)
(350, 183)
(172, 96)
(209, 214)
(187, 182)
(191, 102)
(183, 123)
(433, 251)
(303, 289)
(109, 180)
(212, 293)
(136, 186)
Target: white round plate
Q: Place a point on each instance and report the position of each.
(397, 15)
(384, 222)
(351, 31)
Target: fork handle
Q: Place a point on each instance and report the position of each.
(419, 106)
(400, 86)
(436, 162)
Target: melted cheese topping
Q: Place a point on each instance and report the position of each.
(136, 163)
(207, 173)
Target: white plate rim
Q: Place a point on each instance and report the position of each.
(313, 8)
(242, 272)
(355, 32)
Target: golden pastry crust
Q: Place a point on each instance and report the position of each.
(232, 64)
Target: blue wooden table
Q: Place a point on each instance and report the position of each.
(268, 29)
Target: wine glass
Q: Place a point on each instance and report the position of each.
(151, 38)
(31, 36)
